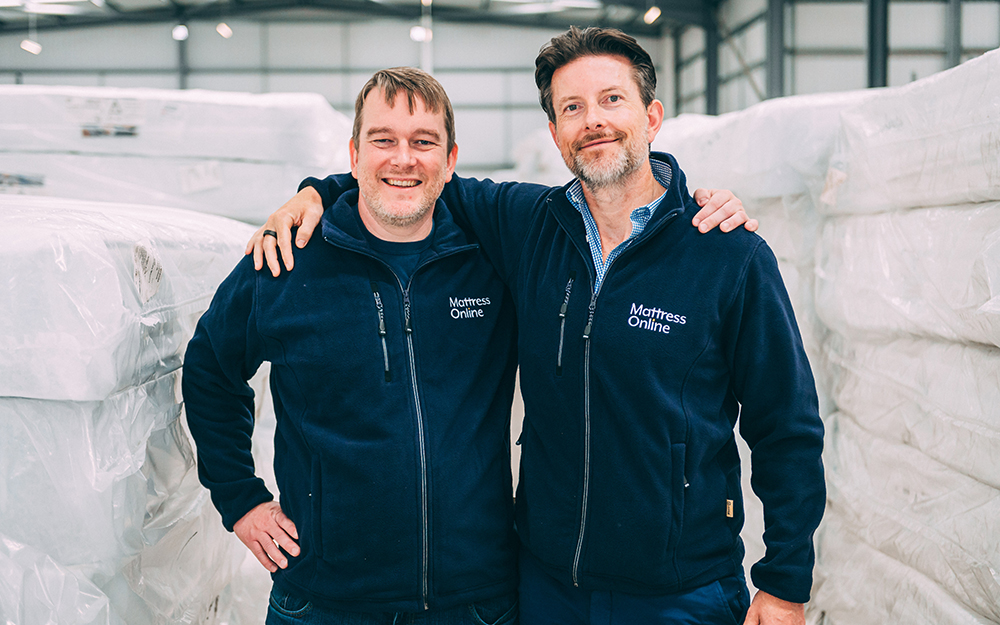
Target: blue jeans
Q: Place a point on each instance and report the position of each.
(548, 601)
(284, 609)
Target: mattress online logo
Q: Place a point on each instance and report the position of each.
(468, 307)
(653, 319)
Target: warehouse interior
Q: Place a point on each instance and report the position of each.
(143, 141)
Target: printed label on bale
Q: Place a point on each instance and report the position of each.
(107, 117)
(148, 272)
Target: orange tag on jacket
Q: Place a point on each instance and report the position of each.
(729, 508)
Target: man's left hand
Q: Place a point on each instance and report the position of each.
(769, 610)
(719, 207)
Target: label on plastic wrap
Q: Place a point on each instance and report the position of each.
(990, 148)
(148, 272)
(200, 177)
(21, 184)
(834, 178)
(107, 117)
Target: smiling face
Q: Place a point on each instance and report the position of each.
(602, 128)
(402, 163)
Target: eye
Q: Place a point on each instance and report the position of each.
(614, 98)
(572, 107)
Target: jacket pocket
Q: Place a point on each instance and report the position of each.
(316, 501)
(678, 494)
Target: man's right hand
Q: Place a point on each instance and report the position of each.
(263, 530)
(305, 211)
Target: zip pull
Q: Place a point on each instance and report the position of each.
(406, 310)
(562, 320)
(590, 317)
(381, 330)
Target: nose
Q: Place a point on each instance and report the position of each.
(594, 118)
(404, 156)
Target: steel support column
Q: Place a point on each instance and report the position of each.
(183, 69)
(775, 48)
(678, 32)
(953, 33)
(711, 62)
(878, 43)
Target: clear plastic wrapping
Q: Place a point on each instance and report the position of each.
(234, 154)
(921, 514)
(938, 397)
(103, 297)
(776, 148)
(102, 518)
(931, 272)
(295, 128)
(934, 142)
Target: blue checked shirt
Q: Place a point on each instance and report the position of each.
(639, 218)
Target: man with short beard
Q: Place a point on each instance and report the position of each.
(391, 448)
(640, 343)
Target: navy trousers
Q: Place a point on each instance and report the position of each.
(548, 601)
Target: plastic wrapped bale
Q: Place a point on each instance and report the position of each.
(940, 398)
(245, 190)
(775, 148)
(102, 518)
(921, 514)
(934, 142)
(234, 154)
(901, 594)
(930, 272)
(103, 297)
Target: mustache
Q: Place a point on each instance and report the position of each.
(597, 136)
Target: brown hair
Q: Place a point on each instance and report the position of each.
(415, 83)
(575, 43)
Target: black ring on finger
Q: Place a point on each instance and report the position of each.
(270, 233)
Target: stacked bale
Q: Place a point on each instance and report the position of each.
(102, 518)
(907, 279)
(233, 154)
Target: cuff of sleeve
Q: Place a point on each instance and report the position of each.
(235, 509)
(793, 588)
(320, 188)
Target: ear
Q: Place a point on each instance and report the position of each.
(452, 159)
(354, 157)
(654, 119)
(552, 130)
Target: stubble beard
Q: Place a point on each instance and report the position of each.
(609, 171)
(378, 208)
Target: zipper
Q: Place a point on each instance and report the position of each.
(381, 330)
(586, 433)
(421, 438)
(587, 330)
(562, 321)
(425, 531)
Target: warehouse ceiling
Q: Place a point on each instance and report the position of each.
(628, 15)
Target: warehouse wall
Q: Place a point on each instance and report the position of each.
(487, 70)
(825, 47)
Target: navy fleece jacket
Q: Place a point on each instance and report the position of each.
(630, 476)
(393, 411)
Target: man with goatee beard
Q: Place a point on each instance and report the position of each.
(640, 342)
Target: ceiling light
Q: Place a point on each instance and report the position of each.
(421, 34)
(179, 33)
(224, 30)
(31, 46)
(426, 3)
(651, 15)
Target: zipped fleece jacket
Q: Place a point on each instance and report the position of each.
(630, 476)
(393, 410)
